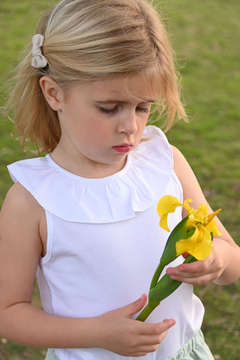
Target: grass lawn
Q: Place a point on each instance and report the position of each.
(206, 38)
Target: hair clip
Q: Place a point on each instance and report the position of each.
(38, 60)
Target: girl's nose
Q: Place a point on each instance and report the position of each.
(128, 123)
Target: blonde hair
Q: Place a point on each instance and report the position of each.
(87, 40)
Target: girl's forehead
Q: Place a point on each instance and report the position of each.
(137, 86)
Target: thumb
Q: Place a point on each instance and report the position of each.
(135, 307)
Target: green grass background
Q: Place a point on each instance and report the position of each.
(206, 37)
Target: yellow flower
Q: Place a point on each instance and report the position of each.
(193, 235)
(198, 245)
(200, 227)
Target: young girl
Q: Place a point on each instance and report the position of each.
(84, 217)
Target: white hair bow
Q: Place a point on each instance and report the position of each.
(38, 60)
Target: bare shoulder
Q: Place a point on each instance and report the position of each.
(18, 194)
(19, 203)
(20, 214)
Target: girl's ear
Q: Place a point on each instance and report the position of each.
(52, 92)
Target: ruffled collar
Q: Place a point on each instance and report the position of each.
(137, 187)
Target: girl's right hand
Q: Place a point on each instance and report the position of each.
(125, 336)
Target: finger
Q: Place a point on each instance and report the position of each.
(195, 267)
(145, 349)
(178, 275)
(199, 280)
(150, 343)
(156, 329)
(175, 274)
(134, 307)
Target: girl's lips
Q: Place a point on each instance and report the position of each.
(123, 148)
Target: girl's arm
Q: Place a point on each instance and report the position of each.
(222, 266)
(22, 227)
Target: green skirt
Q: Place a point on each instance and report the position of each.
(194, 349)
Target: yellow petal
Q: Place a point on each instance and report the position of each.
(210, 223)
(212, 228)
(200, 213)
(198, 245)
(167, 204)
(191, 223)
(211, 216)
(163, 223)
(186, 206)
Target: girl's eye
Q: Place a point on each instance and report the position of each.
(109, 111)
(144, 110)
(115, 109)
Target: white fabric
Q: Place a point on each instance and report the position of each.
(115, 198)
(96, 266)
(38, 60)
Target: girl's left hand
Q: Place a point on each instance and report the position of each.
(205, 271)
(222, 266)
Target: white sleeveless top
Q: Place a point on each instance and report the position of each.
(104, 242)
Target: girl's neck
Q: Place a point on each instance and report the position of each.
(92, 170)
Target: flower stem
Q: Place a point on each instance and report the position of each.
(165, 287)
(157, 274)
(146, 312)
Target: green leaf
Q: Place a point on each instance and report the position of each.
(166, 286)
(169, 253)
(178, 233)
